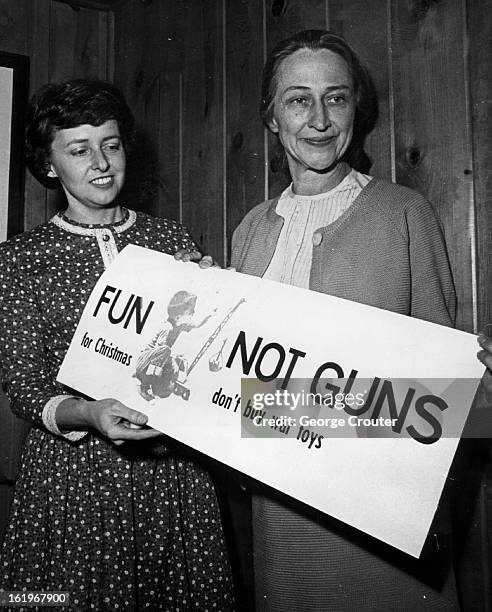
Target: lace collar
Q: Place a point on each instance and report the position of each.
(93, 229)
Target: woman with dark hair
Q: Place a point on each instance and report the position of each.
(341, 232)
(118, 522)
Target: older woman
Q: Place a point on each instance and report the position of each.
(99, 510)
(341, 232)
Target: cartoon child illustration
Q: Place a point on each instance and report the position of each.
(157, 368)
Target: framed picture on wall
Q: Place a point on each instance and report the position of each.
(14, 82)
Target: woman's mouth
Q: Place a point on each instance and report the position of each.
(319, 142)
(102, 181)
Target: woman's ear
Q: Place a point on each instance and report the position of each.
(272, 124)
(270, 120)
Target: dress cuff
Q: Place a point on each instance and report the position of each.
(49, 420)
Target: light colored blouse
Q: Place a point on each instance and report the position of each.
(303, 215)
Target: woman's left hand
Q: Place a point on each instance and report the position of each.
(204, 261)
(485, 356)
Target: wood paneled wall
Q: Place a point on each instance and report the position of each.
(61, 43)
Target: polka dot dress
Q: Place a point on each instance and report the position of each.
(120, 528)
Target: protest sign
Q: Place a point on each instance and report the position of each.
(353, 410)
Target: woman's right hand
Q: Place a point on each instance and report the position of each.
(204, 261)
(108, 416)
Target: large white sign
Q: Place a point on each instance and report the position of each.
(353, 410)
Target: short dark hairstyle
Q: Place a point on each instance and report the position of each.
(58, 106)
(366, 110)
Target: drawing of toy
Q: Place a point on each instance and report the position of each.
(179, 387)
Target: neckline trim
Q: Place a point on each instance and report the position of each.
(356, 204)
(349, 182)
(86, 229)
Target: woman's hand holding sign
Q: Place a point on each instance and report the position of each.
(204, 261)
(108, 417)
(485, 356)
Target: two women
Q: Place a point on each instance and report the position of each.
(100, 510)
(110, 524)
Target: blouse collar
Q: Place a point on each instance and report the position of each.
(92, 229)
(350, 181)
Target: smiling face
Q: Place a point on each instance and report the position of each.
(313, 112)
(89, 162)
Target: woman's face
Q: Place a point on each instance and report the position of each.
(90, 162)
(314, 107)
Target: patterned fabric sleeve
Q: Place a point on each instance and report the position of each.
(187, 241)
(24, 372)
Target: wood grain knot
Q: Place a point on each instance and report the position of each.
(237, 140)
(420, 8)
(278, 7)
(413, 157)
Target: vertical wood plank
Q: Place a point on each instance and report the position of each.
(149, 47)
(245, 167)
(129, 41)
(203, 163)
(284, 18)
(110, 46)
(90, 52)
(35, 211)
(366, 29)
(129, 24)
(63, 27)
(476, 563)
(167, 40)
(102, 42)
(433, 142)
(480, 63)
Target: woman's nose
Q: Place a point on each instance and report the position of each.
(319, 117)
(99, 160)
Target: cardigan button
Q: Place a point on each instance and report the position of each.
(106, 237)
(317, 238)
